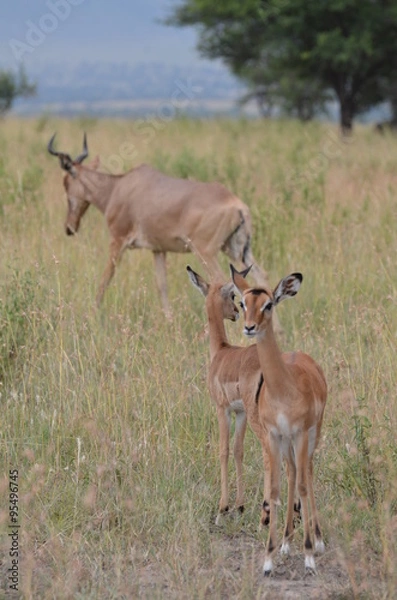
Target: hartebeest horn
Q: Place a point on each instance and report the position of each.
(65, 160)
(50, 146)
(84, 154)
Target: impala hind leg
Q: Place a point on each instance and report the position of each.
(318, 538)
(161, 280)
(116, 250)
(304, 481)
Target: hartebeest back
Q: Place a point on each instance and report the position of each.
(146, 209)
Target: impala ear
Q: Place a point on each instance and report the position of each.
(239, 278)
(288, 287)
(227, 289)
(198, 281)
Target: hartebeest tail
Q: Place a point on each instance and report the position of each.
(146, 209)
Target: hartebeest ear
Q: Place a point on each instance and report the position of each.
(288, 287)
(95, 163)
(239, 278)
(198, 281)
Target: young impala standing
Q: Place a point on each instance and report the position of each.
(291, 408)
(234, 381)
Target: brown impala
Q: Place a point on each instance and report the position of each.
(147, 209)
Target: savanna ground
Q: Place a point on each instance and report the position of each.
(105, 413)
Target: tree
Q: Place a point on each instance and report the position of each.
(347, 46)
(13, 86)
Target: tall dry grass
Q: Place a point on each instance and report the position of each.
(106, 414)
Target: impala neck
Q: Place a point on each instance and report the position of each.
(217, 331)
(99, 187)
(276, 374)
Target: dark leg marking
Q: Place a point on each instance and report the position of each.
(297, 513)
(308, 544)
(259, 389)
(265, 509)
(270, 546)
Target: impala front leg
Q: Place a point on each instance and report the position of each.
(224, 433)
(275, 475)
(265, 516)
(116, 249)
(241, 427)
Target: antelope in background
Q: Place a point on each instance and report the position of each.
(146, 209)
(234, 381)
(291, 406)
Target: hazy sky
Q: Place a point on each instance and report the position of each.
(41, 31)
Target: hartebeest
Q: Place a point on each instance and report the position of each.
(146, 209)
(234, 381)
(291, 407)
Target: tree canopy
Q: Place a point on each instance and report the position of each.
(12, 86)
(297, 51)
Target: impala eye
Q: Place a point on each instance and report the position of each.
(268, 306)
(233, 297)
(242, 305)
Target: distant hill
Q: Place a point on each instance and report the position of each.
(122, 90)
(118, 89)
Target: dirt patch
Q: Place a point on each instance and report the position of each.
(289, 580)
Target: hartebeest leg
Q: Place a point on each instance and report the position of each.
(161, 279)
(116, 250)
(209, 262)
(224, 433)
(241, 427)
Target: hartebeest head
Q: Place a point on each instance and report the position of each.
(77, 192)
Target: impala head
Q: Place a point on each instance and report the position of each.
(222, 295)
(258, 304)
(78, 194)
